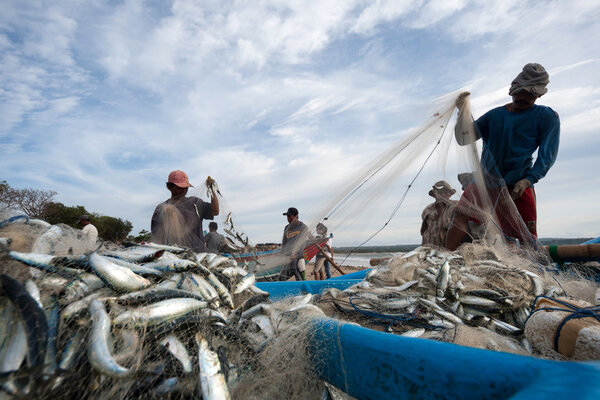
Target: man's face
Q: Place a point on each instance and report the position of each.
(523, 100)
(176, 190)
(290, 217)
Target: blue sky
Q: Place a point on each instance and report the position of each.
(282, 102)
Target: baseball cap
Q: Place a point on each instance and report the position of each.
(291, 211)
(180, 179)
(84, 217)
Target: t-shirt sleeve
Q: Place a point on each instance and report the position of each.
(482, 125)
(549, 137)
(204, 209)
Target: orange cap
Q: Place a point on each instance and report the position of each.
(179, 178)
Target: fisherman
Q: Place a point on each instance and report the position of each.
(89, 231)
(511, 134)
(295, 234)
(437, 216)
(214, 240)
(322, 269)
(179, 219)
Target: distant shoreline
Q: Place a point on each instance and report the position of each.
(410, 247)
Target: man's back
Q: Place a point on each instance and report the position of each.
(180, 222)
(511, 138)
(214, 242)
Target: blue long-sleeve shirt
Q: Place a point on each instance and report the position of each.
(511, 138)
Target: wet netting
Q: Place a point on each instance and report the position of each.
(149, 320)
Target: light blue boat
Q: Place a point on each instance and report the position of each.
(368, 364)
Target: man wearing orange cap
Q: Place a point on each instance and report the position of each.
(178, 221)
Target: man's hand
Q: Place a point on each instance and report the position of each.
(460, 100)
(519, 188)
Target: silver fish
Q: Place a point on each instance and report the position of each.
(98, 351)
(442, 279)
(118, 278)
(175, 347)
(212, 380)
(162, 311)
(413, 333)
(244, 283)
(137, 268)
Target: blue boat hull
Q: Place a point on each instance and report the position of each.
(368, 364)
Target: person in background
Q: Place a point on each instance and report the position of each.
(511, 134)
(89, 231)
(437, 216)
(214, 241)
(294, 238)
(322, 269)
(178, 220)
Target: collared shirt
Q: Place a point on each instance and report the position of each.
(438, 223)
(511, 138)
(179, 222)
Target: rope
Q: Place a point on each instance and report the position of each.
(397, 208)
(402, 318)
(13, 219)
(575, 313)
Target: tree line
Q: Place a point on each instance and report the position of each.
(37, 203)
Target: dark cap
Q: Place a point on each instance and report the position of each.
(442, 187)
(84, 217)
(291, 211)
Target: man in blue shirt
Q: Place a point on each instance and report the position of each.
(511, 134)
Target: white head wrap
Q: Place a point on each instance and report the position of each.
(533, 79)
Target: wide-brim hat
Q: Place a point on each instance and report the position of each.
(441, 186)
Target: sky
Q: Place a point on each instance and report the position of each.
(281, 102)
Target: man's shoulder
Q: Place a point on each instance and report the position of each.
(546, 111)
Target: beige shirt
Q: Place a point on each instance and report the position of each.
(437, 223)
(90, 232)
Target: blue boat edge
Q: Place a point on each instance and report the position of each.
(368, 364)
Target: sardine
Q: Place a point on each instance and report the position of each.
(159, 312)
(212, 380)
(175, 347)
(442, 279)
(153, 295)
(118, 278)
(169, 265)
(33, 316)
(244, 283)
(98, 351)
(137, 268)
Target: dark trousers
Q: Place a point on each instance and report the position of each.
(290, 269)
(327, 269)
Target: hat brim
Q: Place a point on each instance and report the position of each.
(182, 185)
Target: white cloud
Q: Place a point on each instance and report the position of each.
(281, 102)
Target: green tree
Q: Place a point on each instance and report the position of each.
(58, 213)
(143, 236)
(111, 228)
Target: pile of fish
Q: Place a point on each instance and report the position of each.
(142, 321)
(427, 291)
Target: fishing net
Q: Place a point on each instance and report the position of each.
(160, 320)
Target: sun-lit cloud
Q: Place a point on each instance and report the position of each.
(282, 102)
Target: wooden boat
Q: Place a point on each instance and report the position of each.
(267, 264)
